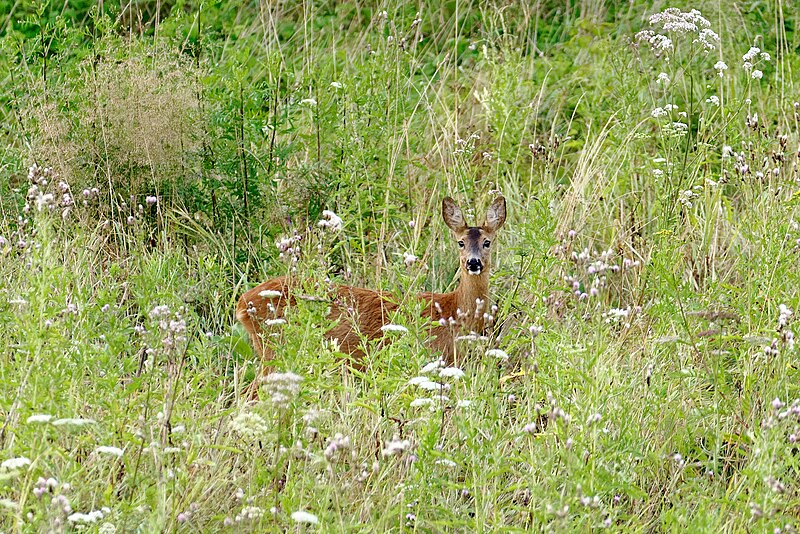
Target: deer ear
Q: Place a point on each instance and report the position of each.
(496, 215)
(452, 215)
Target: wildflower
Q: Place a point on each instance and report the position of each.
(282, 388)
(151, 200)
(302, 516)
(756, 74)
(707, 38)
(249, 425)
(418, 403)
(409, 259)
(497, 353)
(663, 78)
(765, 56)
(330, 221)
(39, 418)
(451, 372)
(432, 367)
(394, 328)
(751, 54)
(336, 85)
(91, 517)
(446, 462)
(784, 314)
(720, 66)
(15, 463)
(275, 322)
(113, 451)
(594, 418)
(713, 100)
(535, 330)
(658, 112)
(530, 428)
(249, 513)
(310, 101)
(269, 293)
(396, 447)
(337, 444)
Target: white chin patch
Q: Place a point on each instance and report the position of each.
(474, 273)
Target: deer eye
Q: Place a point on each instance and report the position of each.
(460, 244)
(486, 243)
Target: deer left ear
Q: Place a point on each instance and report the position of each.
(496, 215)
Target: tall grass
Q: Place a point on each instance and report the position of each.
(644, 375)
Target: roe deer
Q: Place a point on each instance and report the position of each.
(363, 312)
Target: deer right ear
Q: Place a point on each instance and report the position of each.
(452, 215)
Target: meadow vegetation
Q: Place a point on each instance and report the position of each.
(157, 159)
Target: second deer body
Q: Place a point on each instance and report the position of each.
(361, 313)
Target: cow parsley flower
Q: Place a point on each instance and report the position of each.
(282, 388)
(13, 464)
(302, 516)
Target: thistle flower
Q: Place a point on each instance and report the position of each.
(396, 447)
(331, 221)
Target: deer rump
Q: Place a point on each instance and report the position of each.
(359, 313)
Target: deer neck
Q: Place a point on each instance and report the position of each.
(472, 298)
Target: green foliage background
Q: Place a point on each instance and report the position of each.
(654, 249)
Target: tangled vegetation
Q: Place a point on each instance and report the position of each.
(160, 158)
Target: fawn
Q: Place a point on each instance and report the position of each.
(363, 312)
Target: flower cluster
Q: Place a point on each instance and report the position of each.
(673, 22)
(172, 326)
(282, 388)
(39, 195)
(289, 247)
(330, 221)
(751, 59)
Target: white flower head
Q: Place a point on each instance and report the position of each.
(394, 328)
(269, 293)
(112, 451)
(409, 259)
(756, 74)
(451, 372)
(751, 54)
(302, 516)
(500, 354)
(331, 221)
(249, 425)
(309, 101)
(282, 388)
(12, 464)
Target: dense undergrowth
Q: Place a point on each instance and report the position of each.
(644, 372)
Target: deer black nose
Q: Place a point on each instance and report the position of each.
(474, 265)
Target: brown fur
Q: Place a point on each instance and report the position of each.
(362, 312)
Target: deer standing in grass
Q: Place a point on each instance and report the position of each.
(362, 313)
